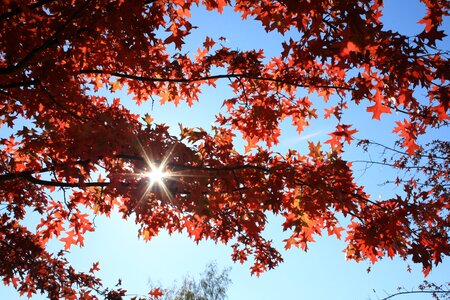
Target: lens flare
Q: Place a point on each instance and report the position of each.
(157, 174)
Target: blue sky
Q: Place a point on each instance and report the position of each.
(322, 272)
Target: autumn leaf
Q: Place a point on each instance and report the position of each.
(336, 230)
(291, 241)
(349, 48)
(342, 132)
(378, 108)
(94, 267)
(200, 54)
(328, 111)
(209, 43)
(315, 149)
(408, 130)
(251, 144)
(64, 122)
(156, 293)
(148, 119)
(70, 239)
(116, 86)
(428, 23)
(216, 4)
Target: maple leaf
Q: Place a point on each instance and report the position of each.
(336, 230)
(94, 267)
(70, 239)
(176, 39)
(54, 69)
(209, 43)
(117, 85)
(147, 234)
(216, 4)
(291, 241)
(148, 119)
(378, 108)
(314, 149)
(342, 132)
(334, 142)
(156, 293)
(408, 130)
(432, 35)
(328, 111)
(441, 112)
(200, 54)
(349, 48)
(251, 144)
(428, 23)
(165, 96)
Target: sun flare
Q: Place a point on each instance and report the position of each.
(157, 174)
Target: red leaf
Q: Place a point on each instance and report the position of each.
(349, 48)
(378, 108)
(251, 144)
(94, 268)
(428, 23)
(156, 293)
(69, 240)
(209, 43)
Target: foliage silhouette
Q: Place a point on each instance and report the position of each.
(57, 57)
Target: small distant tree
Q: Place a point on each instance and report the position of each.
(212, 285)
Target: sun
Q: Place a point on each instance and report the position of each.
(157, 174)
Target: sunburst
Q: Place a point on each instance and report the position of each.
(160, 172)
(157, 174)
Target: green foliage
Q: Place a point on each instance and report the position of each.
(212, 285)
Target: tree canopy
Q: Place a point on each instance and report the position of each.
(73, 154)
(213, 285)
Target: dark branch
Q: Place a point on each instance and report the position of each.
(362, 141)
(32, 179)
(28, 175)
(47, 44)
(17, 10)
(198, 168)
(54, 101)
(18, 84)
(211, 77)
(371, 162)
(416, 292)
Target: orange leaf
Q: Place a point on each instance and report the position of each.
(251, 144)
(350, 47)
(149, 120)
(156, 293)
(428, 23)
(69, 240)
(378, 108)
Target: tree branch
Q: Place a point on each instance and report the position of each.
(371, 162)
(416, 292)
(19, 84)
(48, 43)
(32, 179)
(366, 141)
(18, 10)
(28, 175)
(211, 77)
(53, 100)
(198, 168)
